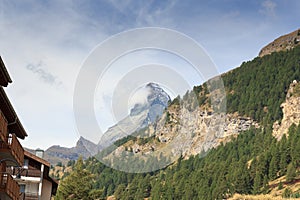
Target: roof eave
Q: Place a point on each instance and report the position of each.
(36, 158)
(4, 74)
(14, 124)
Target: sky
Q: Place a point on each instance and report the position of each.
(44, 45)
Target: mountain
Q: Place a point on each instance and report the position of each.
(283, 43)
(141, 115)
(291, 111)
(187, 130)
(252, 148)
(56, 154)
(157, 101)
(181, 132)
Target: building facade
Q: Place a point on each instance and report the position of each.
(12, 162)
(11, 130)
(33, 179)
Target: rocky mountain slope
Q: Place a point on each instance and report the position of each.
(183, 131)
(259, 94)
(291, 111)
(141, 115)
(282, 43)
(202, 129)
(56, 154)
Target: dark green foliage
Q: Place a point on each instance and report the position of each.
(120, 191)
(296, 91)
(291, 172)
(257, 183)
(222, 172)
(167, 117)
(262, 84)
(59, 164)
(78, 185)
(124, 140)
(287, 193)
(280, 186)
(244, 165)
(176, 101)
(71, 163)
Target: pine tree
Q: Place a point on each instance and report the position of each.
(265, 184)
(77, 185)
(257, 183)
(287, 193)
(280, 186)
(273, 168)
(284, 158)
(295, 145)
(242, 179)
(120, 191)
(291, 172)
(145, 187)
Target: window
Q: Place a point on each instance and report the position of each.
(32, 188)
(22, 188)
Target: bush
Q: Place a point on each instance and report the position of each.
(59, 164)
(287, 193)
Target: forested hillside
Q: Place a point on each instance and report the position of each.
(245, 165)
(258, 87)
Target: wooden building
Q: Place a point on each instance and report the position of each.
(33, 178)
(11, 151)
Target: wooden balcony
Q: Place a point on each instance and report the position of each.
(3, 127)
(24, 172)
(12, 151)
(9, 189)
(31, 196)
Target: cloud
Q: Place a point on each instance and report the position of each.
(156, 15)
(144, 13)
(43, 74)
(268, 8)
(121, 6)
(139, 97)
(47, 41)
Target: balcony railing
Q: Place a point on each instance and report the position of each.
(3, 127)
(31, 196)
(13, 149)
(16, 149)
(24, 172)
(9, 186)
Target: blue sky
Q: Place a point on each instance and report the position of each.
(44, 44)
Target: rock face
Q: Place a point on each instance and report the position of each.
(141, 115)
(290, 109)
(86, 147)
(282, 43)
(157, 102)
(83, 148)
(182, 132)
(205, 130)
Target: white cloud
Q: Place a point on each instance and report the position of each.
(121, 6)
(52, 39)
(43, 48)
(268, 8)
(43, 74)
(139, 97)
